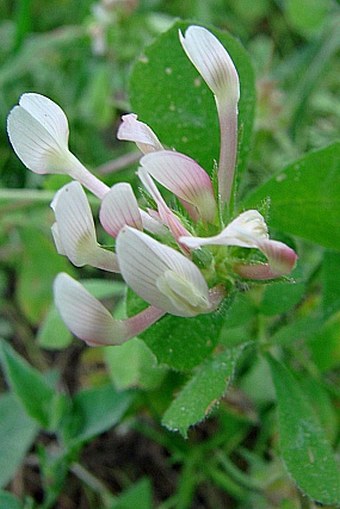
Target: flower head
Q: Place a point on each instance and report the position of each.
(155, 246)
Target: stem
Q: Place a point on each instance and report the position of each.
(188, 481)
(227, 115)
(86, 178)
(20, 198)
(237, 475)
(26, 196)
(119, 164)
(93, 483)
(138, 323)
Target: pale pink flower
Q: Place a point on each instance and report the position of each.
(216, 67)
(186, 179)
(90, 321)
(74, 231)
(161, 275)
(250, 230)
(132, 129)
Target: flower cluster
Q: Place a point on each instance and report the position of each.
(175, 261)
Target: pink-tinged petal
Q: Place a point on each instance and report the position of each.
(212, 61)
(90, 321)
(132, 129)
(244, 231)
(74, 232)
(161, 275)
(143, 320)
(165, 213)
(153, 224)
(120, 207)
(227, 115)
(281, 261)
(216, 67)
(216, 295)
(185, 178)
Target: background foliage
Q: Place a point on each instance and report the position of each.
(113, 428)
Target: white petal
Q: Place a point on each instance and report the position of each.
(90, 321)
(132, 129)
(160, 275)
(119, 207)
(57, 240)
(185, 178)
(245, 231)
(34, 145)
(48, 114)
(84, 315)
(38, 132)
(76, 235)
(216, 67)
(212, 61)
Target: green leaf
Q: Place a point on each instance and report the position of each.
(17, 433)
(279, 298)
(331, 287)
(305, 197)
(305, 449)
(307, 16)
(133, 365)
(38, 398)
(325, 345)
(95, 411)
(168, 94)
(53, 333)
(39, 265)
(301, 329)
(321, 402)
(9, 501)
(181, 343)
(139, 495)
(203, 391)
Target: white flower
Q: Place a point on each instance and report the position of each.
(38, 131)
(161, 275)
(74, 231)
(249, 230)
